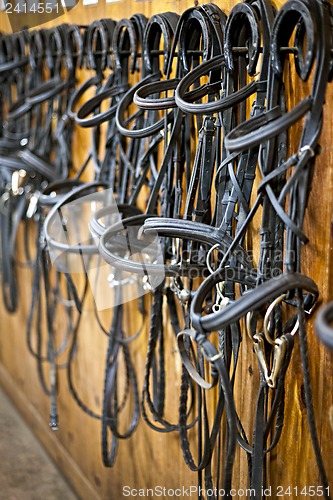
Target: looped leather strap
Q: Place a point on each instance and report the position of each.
(159, 26)
(239, 13)
(216, 106)
(125, 40)
(265, 126)
(323, 325)
(78, 192)
(251, 300)
(73, 47)
(187, 362)
(97, 44)
(54, 49)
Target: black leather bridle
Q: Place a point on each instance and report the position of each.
(196, 134)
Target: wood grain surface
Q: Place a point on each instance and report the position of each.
(150, 459)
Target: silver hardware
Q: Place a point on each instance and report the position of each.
(214, 358)
(220, 304)
(33, 202)
(146, 284)
(304, 149)
(278, 358)
(17, 180)
(182, 294)
(259, 349)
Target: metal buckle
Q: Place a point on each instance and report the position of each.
(278, 357)
(304, 149)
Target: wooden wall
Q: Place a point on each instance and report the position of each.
(149, 459)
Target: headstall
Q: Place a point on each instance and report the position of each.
(201, 155)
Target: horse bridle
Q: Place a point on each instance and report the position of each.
(220, 80)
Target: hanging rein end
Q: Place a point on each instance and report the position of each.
(54, 425)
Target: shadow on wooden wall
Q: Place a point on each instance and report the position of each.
(150, 459)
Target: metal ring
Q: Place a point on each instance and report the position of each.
(267, 318)
(192, 371)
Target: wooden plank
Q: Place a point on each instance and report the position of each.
(48, 439)
(150, 459)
